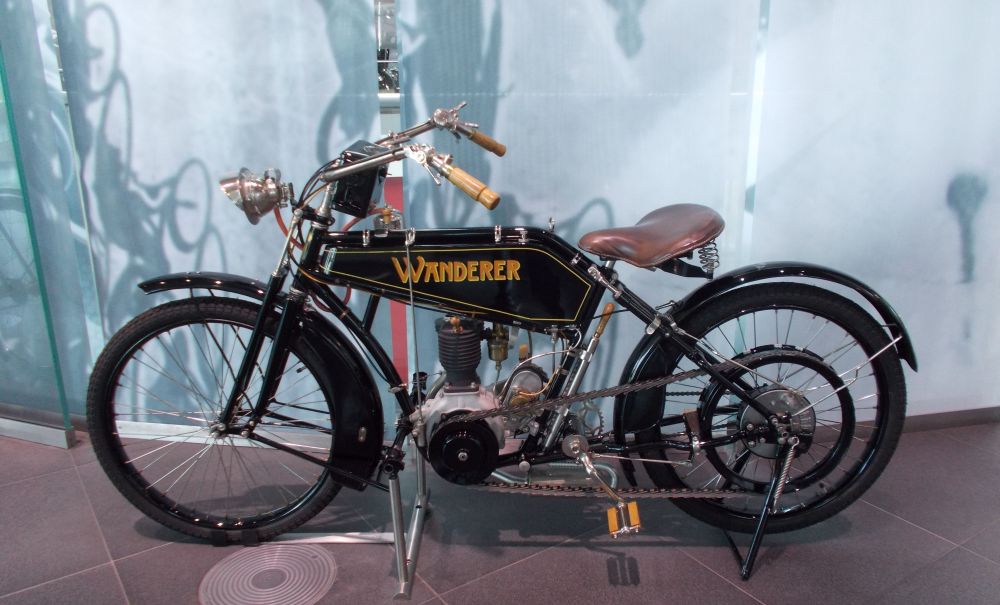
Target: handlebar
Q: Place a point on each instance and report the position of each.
(397, 146)
(488, 143)
(471, 186)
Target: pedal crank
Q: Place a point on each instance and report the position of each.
(623, 517)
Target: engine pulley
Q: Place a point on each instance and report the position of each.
(464, 452)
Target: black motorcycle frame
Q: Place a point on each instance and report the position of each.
(309, 280)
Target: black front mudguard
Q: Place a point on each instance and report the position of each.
(357, 446)
(642, 409)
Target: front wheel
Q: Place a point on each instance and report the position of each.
(808, 354)
(153, 407)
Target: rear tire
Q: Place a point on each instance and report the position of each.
(849, 408)
(158, 388)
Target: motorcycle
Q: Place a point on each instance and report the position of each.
(761, 402)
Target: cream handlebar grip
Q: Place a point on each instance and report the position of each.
(488, 143)
(472, 187)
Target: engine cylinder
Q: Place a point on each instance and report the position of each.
(460, 351)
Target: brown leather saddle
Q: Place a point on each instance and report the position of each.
(663, 234)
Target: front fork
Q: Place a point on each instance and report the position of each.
(271, 374)
(251, 359)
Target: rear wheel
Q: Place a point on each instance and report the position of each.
(809, 354)
(153, 405)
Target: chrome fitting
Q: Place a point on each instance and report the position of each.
(598, 276)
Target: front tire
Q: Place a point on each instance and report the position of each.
(848, 405)
(156, 392)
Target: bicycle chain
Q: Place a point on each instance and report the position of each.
(635, 492)
(623, 389)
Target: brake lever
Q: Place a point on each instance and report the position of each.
(421, 154)
(447, 119)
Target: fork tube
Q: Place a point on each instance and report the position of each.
(274, 285)
(253, 347)
(294, 304)
(279, 350)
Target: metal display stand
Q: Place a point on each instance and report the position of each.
(774, 491)
(406, 544)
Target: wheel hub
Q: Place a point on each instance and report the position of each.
(782, 403)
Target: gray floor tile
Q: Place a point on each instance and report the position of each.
(82, 452)
(100, 585)
(367, 574)
(338, 517)
(170, 574)
(26, 459)
(469, 532)
(959, 577)
(482, 548)
(981, 436)
(986, 543)
(941, 485)
(598, 569)
(126, 529)
(173, 574)
(846, 559)
(48, 531)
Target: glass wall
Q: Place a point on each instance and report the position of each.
(856, 135)
(50, 183)
(32, 388)
(880, 156)
(608, 110)
(127, 116)
(836, 133)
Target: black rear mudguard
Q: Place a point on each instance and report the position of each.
(642, 409)
(357, 445)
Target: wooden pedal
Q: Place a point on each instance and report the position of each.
(624, 518)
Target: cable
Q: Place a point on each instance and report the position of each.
(284, 228)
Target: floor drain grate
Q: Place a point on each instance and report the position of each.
(287, 574)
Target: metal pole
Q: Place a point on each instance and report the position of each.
(399, 538)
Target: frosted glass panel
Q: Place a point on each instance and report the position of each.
(167, 98)
(29, 389)
(50, 174)
(609, 110)
(880, 156)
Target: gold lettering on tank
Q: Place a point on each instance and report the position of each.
(441, 271)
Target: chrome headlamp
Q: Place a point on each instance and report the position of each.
(257, 195)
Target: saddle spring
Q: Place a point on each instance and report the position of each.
(708, 256)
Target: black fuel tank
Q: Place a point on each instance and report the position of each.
(528, 277)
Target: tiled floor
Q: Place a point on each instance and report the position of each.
(927, 532)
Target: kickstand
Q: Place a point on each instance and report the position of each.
(774, 491)
(407, 547)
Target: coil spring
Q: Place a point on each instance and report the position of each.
(708, 256)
